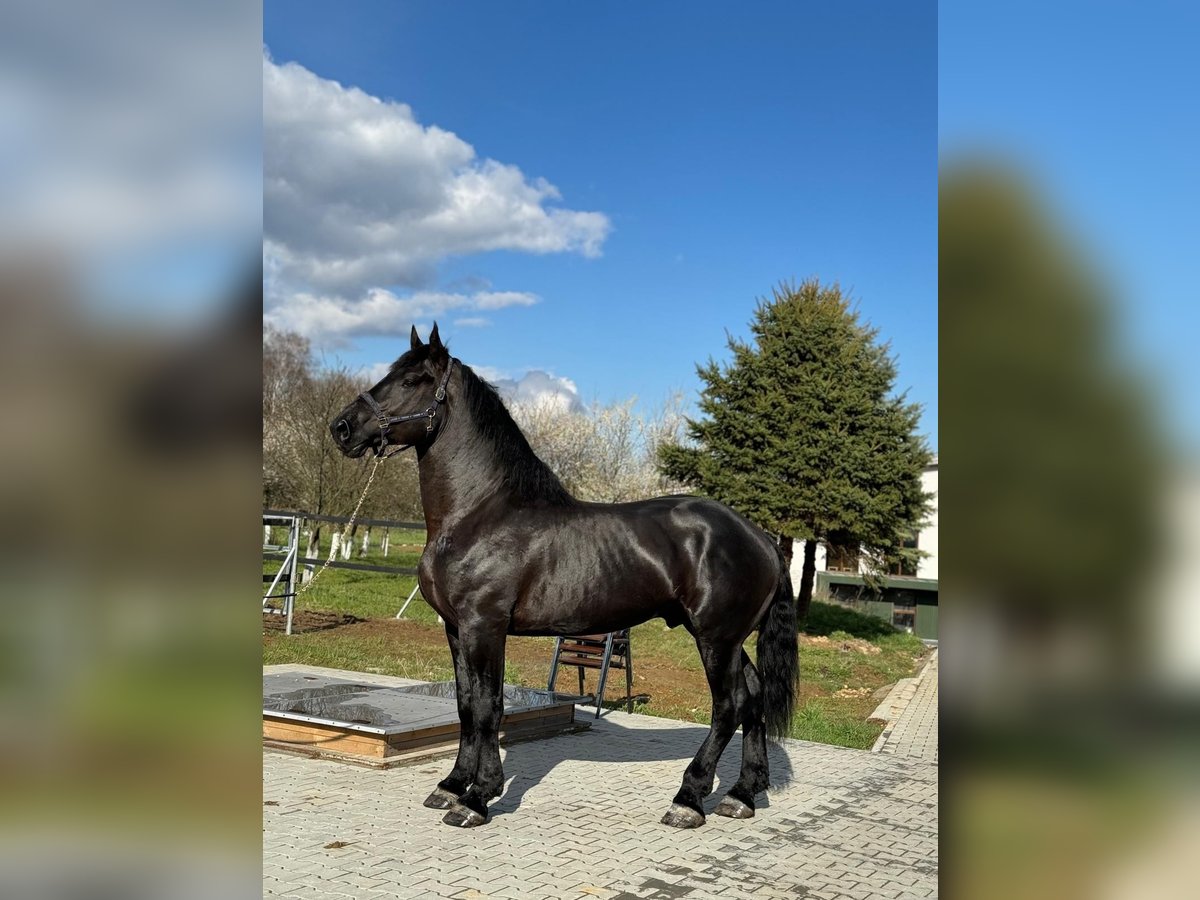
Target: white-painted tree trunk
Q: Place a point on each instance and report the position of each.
(312, 548)
(366, 542)
(347, 545)
(335, 545)
(385, 542)
(266, 535)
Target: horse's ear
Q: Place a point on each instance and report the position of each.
(435, 341)
(414, 340)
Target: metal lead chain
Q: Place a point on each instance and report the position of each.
(345, 531)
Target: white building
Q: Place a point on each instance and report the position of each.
(839, 573)
(927, 537)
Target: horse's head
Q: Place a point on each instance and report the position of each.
(404, 408)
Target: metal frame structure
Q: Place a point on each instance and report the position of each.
(291, 551)
(287, 570)
(413, 593)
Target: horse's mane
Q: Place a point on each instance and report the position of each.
(524, 472)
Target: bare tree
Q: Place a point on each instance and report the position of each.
(287, 362)
(287, 374)
(606, 453)
(302, 468)
(396, 493)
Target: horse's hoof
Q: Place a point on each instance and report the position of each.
(463, 817)
(733, 808)
(682, 817)
(440, 799)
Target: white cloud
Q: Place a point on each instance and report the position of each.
(380, 312)
(540, 390)
(472, 322)
(490, 373)
(375, 372)
(535, 388)
(501, 299)
(358, 195)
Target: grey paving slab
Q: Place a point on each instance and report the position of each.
(912, 727)
(579, 818)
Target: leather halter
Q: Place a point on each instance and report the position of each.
(385, 421)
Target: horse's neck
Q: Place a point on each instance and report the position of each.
(458, 473)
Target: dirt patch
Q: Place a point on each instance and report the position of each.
(850, 645)
(852, 692)
(304, 620)
(405, 629)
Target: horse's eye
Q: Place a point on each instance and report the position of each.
(409, 382)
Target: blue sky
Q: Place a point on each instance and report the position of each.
(723, 148)
(1098, 104)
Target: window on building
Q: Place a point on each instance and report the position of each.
(840, 558)
(904, 613)
(906, 567)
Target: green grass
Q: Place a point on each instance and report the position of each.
(826, 618)
(654, 641)
(826, 722)
(368, 595)
(379, 655)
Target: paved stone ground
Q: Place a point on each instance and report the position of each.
(912, 728)
(579, 818)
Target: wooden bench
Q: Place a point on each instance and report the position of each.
(595, 651)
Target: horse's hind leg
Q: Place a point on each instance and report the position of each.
(454, 785)
(722, 665)
(738, 803)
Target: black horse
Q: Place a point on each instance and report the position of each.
(510, 551)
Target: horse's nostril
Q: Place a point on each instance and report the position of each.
(341, 430)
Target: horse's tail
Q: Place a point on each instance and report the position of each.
(778, 654)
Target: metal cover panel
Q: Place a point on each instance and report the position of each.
(375, 709)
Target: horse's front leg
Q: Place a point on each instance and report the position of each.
(481, 654)
(454, 785)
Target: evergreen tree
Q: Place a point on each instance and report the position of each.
(802, 433)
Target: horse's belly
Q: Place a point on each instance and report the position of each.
(586, 608)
